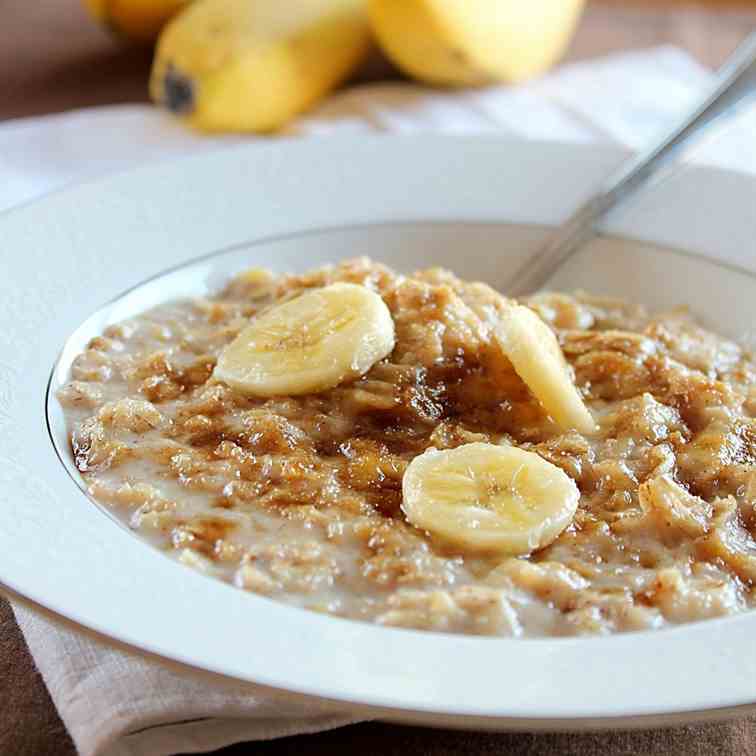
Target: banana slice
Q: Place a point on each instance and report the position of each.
(537, 358)
(309, 344)
(484, 497)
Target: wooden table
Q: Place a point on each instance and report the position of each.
(51, 59)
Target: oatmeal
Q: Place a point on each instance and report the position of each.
(299, 489)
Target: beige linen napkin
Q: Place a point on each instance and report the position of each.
(117, 702)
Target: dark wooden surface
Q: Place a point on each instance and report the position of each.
(52, 58)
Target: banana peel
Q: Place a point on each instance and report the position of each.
(474, 42)
(252, 65)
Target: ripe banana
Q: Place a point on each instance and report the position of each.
(140, 20)
(534, 351)
(471, 42)
(310, 343)
(489, 498)
(252, 65)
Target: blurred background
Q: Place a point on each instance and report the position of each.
(54, 56)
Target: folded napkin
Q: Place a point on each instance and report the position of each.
(117, 702)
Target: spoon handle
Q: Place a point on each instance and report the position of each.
(736, 81)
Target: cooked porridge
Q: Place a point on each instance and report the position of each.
(414, 451)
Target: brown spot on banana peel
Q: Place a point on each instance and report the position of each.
(460, 56)
(177, 92)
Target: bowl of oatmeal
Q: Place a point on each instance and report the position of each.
(336, 435)
(226, 431)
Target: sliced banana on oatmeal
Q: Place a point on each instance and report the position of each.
(310, 343)
(534, 351)
(489, 498)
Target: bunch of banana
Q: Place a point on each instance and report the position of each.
(252, 65)
(140, 20)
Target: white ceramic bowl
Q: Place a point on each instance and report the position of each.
(477, 206)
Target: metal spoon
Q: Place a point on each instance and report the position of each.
(736, 82)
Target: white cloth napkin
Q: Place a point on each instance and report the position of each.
(626, 98)
(117, 702)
